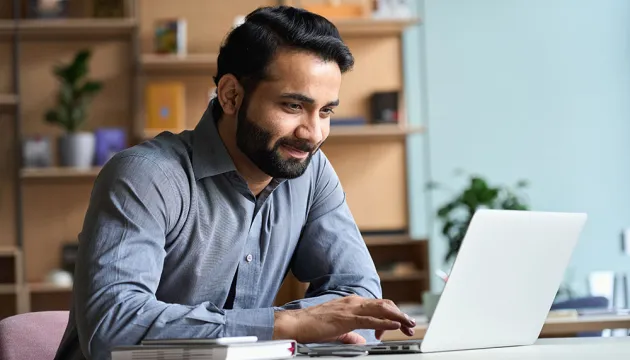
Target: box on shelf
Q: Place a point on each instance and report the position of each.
(165, 106)
(384, 107)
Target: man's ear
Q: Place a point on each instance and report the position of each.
(229, 94)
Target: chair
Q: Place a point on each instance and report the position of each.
(32, 336)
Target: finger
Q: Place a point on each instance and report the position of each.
(352, 338)
(369, 322)
(386, 309)
(379, 334)
(409, 331)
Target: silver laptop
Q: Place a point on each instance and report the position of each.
(502, 284)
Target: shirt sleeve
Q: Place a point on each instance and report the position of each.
(331, 254)
(133, 206)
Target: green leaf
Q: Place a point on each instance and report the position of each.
(522, 183)
(478, 184)
(446, 209)
(78, 68)
(90, 88)
(77, 118)
(66, 95)
(52, 117)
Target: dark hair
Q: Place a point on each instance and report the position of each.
(251, 46)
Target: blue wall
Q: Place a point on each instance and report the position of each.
(533, 89)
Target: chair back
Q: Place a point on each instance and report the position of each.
(32, 336)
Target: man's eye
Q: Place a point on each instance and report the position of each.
(293, 106)
(328, 111)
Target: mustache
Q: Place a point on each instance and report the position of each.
(299, 145)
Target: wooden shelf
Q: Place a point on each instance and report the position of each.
(7, 27)
(374, 27)
(8, 251)
(74, 28)
(373, 131)
(8, 101)
(390, 276)
(167, 62)
(394, 240)
(59, 172)
(8, 289)
(47, 288)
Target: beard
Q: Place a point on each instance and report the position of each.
(254, 141)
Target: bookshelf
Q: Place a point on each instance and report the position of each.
(196, 62)
(62, 29)
(373, 131)
(59, 173)
(366, 156)
(8, 101)
(372, 28)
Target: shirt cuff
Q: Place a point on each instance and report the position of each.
(250, 322)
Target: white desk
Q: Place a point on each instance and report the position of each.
(617, 348)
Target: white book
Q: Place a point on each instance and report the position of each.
(261, 350)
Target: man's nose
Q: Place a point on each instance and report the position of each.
(310, 130)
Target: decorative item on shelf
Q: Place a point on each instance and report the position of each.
(108, 8)
(165, 105)
(47, 9)
(36, 151)
(457, 213)
(109, 141)
(404, 268)
(170, 36)
(60, 278)
(392, 9)
(384, 107)
(335, 9)
(76, 148)
(348, 121)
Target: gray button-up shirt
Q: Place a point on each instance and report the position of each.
(172, 227)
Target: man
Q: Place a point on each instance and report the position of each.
(191, 235)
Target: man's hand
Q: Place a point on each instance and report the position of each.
(335, 320)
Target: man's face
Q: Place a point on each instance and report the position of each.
(285, 120)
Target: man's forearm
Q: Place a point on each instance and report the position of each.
(140, 317)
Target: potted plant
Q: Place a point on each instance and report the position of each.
(456, 214)
(76, 147)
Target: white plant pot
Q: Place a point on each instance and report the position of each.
(77, 149)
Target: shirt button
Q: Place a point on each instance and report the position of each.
(249, 258)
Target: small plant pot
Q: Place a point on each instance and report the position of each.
(77, 149)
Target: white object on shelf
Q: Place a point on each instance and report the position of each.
(60, 278)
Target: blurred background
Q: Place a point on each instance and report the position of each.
(453, 105)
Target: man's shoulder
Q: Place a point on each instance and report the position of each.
(165, 155)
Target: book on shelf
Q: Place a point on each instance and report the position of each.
(207, 349)
(170, 36)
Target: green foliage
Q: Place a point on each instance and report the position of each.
(75, 93)
(457, 213)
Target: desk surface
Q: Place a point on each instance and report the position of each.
(613, 348)
(553, 326)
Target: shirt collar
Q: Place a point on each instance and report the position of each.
(209, 157)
